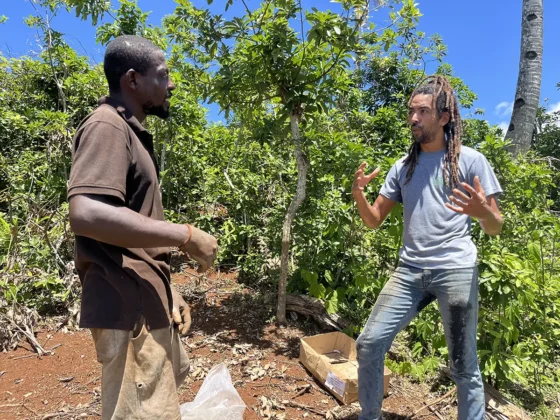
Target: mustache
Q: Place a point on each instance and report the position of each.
(415, 125)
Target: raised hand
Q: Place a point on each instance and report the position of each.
(202, 248)
(361, 179)
(475, 206)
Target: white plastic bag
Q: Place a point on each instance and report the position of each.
(217, 399)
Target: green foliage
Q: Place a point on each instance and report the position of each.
(93, 9)
(130, 20)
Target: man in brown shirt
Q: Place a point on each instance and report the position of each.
(122, 241)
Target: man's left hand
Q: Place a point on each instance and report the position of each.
(181, 312)
(475, 206)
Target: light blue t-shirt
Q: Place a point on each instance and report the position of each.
(434, 236)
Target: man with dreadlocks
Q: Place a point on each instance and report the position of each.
(441, 185)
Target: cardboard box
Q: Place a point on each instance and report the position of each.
(331, 358)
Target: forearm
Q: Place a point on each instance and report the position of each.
(492, 224)
(121, 226)
(369, 214)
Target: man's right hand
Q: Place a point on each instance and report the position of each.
(361, 179)
(202, 248)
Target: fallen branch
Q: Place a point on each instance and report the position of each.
(314, 307)
(434, 411)
(26, 356)
(93, 380)
(432, 403)
(304, 389)
(303, 407)
(30, 337)
(30, 409)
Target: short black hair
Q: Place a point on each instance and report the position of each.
(128, 52)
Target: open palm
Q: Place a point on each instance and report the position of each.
(361, 179)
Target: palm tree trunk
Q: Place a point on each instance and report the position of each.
(527, 96)
(302, 166)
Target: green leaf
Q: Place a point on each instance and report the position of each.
(317, 290)
(309, 276)
(361, 281)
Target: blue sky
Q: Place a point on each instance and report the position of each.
(483, 40)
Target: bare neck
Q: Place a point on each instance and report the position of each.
(435, 145)
(131, 105)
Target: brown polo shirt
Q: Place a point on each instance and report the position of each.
(113, 156)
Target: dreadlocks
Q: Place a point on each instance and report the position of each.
(443, 101)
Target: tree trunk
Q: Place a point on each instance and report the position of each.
(302, 166)
(527, 96)
(314, 308)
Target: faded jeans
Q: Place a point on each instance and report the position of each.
(408, 291)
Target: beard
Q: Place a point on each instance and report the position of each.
(161, 111)
(421, 136)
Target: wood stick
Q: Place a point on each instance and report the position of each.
(304, 407)
(305, 388)
(27, 408)
(432, 403)
(25, 357)
(93, 380)
(433, 410)
(32, 340)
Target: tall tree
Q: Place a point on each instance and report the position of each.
(266, 58)
(522, 125)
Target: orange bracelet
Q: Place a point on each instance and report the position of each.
(188, 236)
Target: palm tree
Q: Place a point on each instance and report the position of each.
(527, 96)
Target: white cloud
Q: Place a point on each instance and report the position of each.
(504, 108)
(504, 126)
(553, 107)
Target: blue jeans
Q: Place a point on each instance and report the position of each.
(408, 291)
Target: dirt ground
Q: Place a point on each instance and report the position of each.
(231, 325)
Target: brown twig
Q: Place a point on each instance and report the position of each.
(32, 340)
(433, 410)
(93, 380)
(30, 409)
(432, 403)
(304, 389)
(25, 357)
(304, 407)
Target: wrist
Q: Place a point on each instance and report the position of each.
(489, 215)
(186, 231)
